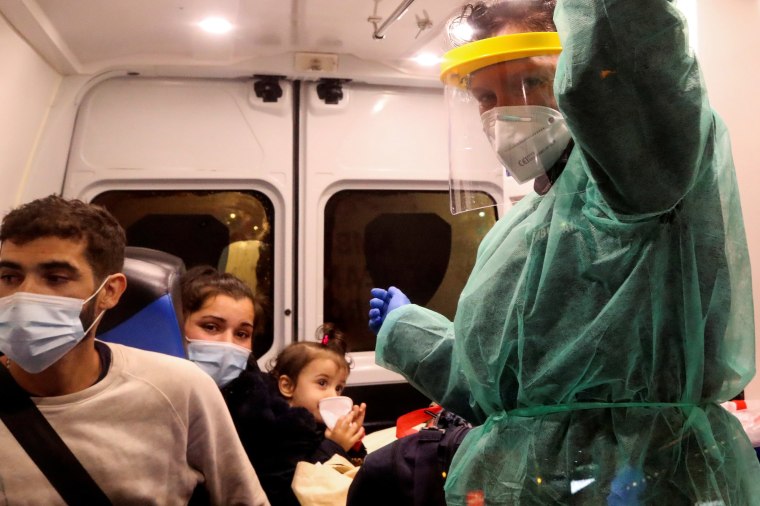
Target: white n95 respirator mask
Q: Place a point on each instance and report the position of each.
(527, 139)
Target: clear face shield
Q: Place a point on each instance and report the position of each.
(503, 117)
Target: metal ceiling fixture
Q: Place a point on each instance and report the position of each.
(379, 32)
(423, 22)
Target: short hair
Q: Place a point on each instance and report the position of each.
(487, 18)
(54, 216)
(204, 281)
(331, 343)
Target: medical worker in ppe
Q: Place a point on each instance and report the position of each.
(610, 311)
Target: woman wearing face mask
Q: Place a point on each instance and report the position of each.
(221, 317)
(219, 312)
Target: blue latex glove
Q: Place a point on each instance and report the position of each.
(382, 303)
(626, 487)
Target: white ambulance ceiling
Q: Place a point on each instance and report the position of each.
(162, 37)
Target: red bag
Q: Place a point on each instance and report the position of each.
(407, 424)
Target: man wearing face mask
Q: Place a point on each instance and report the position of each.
(147, 428)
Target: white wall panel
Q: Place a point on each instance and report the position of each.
(376, 137)
(26, 93)
(132, 129)
(145, 134)
(728, 42)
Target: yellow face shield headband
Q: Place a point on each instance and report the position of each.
(460, 62)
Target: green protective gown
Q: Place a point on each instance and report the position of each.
(604, 321)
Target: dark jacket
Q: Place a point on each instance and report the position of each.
(275, 436)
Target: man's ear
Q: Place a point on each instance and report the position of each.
(112, 290)
(286, 386)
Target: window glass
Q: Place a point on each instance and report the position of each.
(230, 230)
(407, 239)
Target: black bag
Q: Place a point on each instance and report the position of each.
(412, 470)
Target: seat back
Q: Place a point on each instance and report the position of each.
(148, 316)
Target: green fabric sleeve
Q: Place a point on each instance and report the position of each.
(429, 365)
(634, 99)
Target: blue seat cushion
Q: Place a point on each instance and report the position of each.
(154, 328)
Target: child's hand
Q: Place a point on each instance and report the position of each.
(359, 412)
(347, 431)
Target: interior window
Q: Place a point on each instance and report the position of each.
(407, 239)
(230, 230)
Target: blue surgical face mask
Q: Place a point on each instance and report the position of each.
(222, 361)
(37, 330)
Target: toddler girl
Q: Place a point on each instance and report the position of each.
(277, 414)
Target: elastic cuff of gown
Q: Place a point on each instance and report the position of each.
(388, 324)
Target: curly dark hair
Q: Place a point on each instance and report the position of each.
(204, 281)
(330, 344)
(487, 19)
(54, 216)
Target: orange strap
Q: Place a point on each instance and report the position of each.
(406, 424)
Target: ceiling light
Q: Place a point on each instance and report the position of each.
(215, 25)
(427, 59)
(461, 32)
